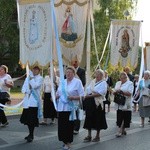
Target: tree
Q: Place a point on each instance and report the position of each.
(109, 9)
(9, 34)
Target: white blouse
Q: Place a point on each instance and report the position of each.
(47, 84)
(3, 87)
(36, 84)
(125, 87)
(100, 88)
(73, 88)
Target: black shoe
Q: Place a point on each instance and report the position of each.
(124, 133)
(26, 137)
(87, 139)
(5, 124)
(43, 123)
(29, 138)
(75, 132)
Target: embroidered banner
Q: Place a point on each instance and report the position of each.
(71, 20)
(147, 57)
(23, 2)
(35, 32)
(124, 42)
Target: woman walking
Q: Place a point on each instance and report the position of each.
(124, 111)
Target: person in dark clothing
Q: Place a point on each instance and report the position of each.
(79, 71)
(127, 71)
(109, 84)
(48, 106)
(135, 93)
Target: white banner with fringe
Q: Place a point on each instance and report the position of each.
(35, 32)
(124, 42)
(147, 57)
(71, 20)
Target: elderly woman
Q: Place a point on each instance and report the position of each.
(144, 83)
(68, 103)
(5, 84)
(95, 114)
(124, 111)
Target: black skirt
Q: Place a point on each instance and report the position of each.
(107, 99)
(4, 97)
(65, 127)
(94, 116)
(123, 116)
(30, 116)
(48, 107)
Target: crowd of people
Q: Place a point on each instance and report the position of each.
(73, 96)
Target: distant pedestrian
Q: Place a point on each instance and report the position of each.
(135, 92)
(128, 72)
(109, 85)
(48, 106)
(144, 84)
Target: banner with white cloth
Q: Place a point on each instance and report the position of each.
(124, 43)
(147, 57)
(35, 23)
(71, 19)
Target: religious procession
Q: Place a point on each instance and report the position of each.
(76, 92)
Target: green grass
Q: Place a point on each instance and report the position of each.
(11, 111)
(15, 89)
(15, 93)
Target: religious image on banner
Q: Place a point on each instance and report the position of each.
(69, 36)
(33, 37)
(68, 28)
(124, 43)
(35, 24)
(147, 55)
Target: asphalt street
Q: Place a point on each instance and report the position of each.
(137, 138)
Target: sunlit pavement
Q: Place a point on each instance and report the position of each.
(12, 136)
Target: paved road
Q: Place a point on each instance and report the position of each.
(12, 136)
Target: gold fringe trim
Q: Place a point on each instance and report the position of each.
(120, 67)
(24, 2)
(70, 3)
(33, 65)
(70, 44)
(66, 60)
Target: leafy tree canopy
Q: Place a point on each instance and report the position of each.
(9, 35)
(109, 10)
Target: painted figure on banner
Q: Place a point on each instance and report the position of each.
(125, 46)
(68, 28)
(33, 35)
